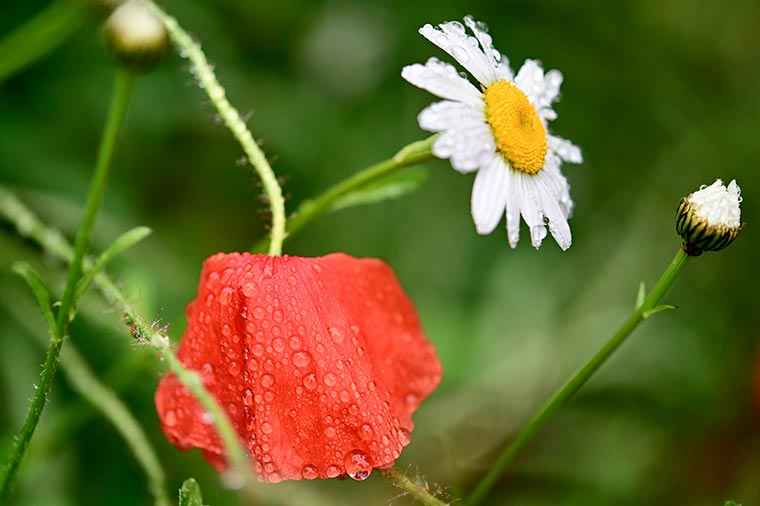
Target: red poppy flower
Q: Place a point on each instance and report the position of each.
(319, 362)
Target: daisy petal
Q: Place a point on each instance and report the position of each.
(489, 195)
(451, 37)
(528, 198)
(558, 225)
(467, 146)
(542, 90)
(513, 212)
(500, 61)
(442, 79)
(565, 149)
(557, 184)
(444, 115)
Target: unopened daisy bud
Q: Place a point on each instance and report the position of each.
(710, 218)
(136, 35)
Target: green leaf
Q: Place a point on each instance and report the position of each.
(655, 310)
(40, 292)
(389, 187)
(123, 242)
(732, 503)
(641, 295)
(190, 493)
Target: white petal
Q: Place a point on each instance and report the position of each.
(442, 79)
(489, 195)
(557, 184)
(565, 149)
(513, 211)
(500, 61)
(542, 90)
(467, 146)
(447, 114)
(451, 37)
(524, 192)
(558, 225)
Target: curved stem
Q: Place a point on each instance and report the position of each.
(413, 154)
(231, 118)
(578, 379)
(415, 489)
(39, 35)
(119, 101)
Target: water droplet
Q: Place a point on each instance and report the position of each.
(330, 431)
(277, 315)
(248, 397)
(258, 349)
(294, 342)
(330, 379)
(404, 436)
(371, 386)
(310, 381)
(274, 477)
(317, 268)
(208, 375)
(301, 359)
(259, 312)
(355, 329)
(336, 334)
(345, 396)
(233, 368)
(357, 465)
(333, 471)
(226, 329)
(170, 418)
(366, 432)
(278, 344)
(267, 380)
(309, 472)
(292, 280)
(252, 364)
(250, 289)
(225, 296)
(266, 428)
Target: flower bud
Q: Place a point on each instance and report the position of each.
(710, 218)
(136, 35)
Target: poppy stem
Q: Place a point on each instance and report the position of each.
(204, 73)
(413, 154)
(119, 101)
(41, 34)
(647, 307)
(29, 226)
(415, 489)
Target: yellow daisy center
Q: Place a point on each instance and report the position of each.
(520, 136)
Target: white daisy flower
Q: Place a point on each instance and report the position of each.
(500, 131)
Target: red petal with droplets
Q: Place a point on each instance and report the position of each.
(319, 362)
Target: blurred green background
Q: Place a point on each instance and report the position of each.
(661, 96)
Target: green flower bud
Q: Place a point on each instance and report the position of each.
(710, 218)
(136, 35)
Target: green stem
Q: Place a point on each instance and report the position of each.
(113, 409)
(413, 488)
(413, 154)
(120, 100)
(28, 225)
(231, 118)
(39, 35)
(578, 379)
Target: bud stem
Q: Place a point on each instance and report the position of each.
(578, 379)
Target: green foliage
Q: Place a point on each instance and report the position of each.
(389, 187)
(190, 493)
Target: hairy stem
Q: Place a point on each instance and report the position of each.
(119, 101)
(309, 210)
(578, 379)
(204, 73)
(415, 489)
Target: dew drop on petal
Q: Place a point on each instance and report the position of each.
(309, 472)
(404, 436)
(267, 380)
(330, 431)
(266, 428)
(250, 289)
(170, 418)
(259, 312)
(207, 374)
(357, 465)
(330, 379)
(336, 334)
(294, 342)
(278, 344)
(366, 432)
(233, 368)
(301, 359)
(248, 397)
(333, 471)
(274, 477)
(310, 381)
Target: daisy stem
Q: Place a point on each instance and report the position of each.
(41, 34)
(204, 73)
(117, 111)
(29, 226)
(579, 378)
(415, 489)
(309, 210)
